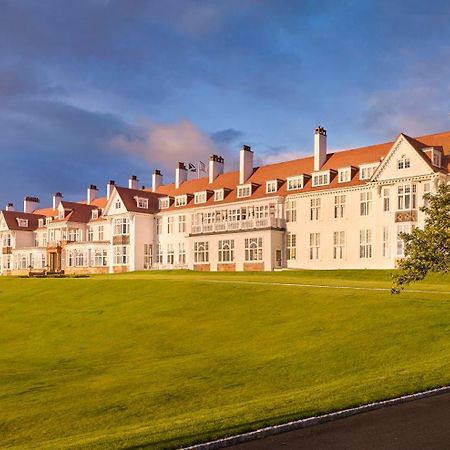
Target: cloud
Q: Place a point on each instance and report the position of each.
(228, 136)
(163, 145)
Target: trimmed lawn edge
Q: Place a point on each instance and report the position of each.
(315, 420)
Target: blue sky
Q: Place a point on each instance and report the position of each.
(96, 89)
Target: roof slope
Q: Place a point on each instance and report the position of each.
(128, 197)
(12, 216)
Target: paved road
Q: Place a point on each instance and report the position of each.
(421, 424)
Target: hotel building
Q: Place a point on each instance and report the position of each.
(341, 210)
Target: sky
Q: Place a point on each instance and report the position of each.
(92, 90)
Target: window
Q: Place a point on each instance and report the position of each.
(271, 186)
(159, 255)
(365, 244)
(344, 175)
(101, 233)
(320, 179)
(338, 244)
(437, 160)
(314, 245)
(386, 200)
(406, 197)
(226, 250)
(386, 241)
(80, 258)
(294, 183)
(181, 253)
(41, 223)
(366, 204)
(120, 254)
(170, 254)
(366, 171)
(291, 246)
(118, 204)
(402, 228)
(182, 224)
(74, 235)
(339, 206)
(218, 195)
(426, 190)
(61, 213)
(142, 202)
(315, 209)
(403, 163)
(170, 222)
(201, 252)
(181, 200)
(254, 249)
(291, 211)
(200, 197)
(90, 234)
(164, 203)
(94, 214)
(121, 226)
(6, 240)
(22, 222)
(99, 258)
(148, 256)
(159, 222)
(48, 220)
(244, 191)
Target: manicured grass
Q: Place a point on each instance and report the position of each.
(161, 360)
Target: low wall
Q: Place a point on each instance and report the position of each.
(223, 267)
(202, 267)
(253, 266)
(85, 270)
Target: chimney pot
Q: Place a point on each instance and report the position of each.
(57, 197)
(320, 147)
(91, 193)
(156, 180)
(30, 204)
(216, 167)
(133, 182)
(109, 188)
(10, 207)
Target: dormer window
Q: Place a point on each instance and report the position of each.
(94, 214)
(142, 202)
(22, 222)
(218, 195)
(437, 159)
(41, 223)
(200, 197)
(294, 183)
(164, 203)
(271, 186)
(367, 170)
(48, 220)
(344, 175)
(244, 191)
(320, 178)
(181, 200)
(403, 163)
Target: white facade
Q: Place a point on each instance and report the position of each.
(343, 210)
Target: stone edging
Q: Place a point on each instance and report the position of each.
(311, 421)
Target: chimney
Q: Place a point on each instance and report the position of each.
(181, 174)
(216, 165)
(10, 207)
(245, 163)
(57, 197)
(30, 204)
(133, 182)
(109, 188)
(91, 194)
(320, 147)
(156, 180)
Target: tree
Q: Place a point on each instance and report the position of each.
(427, 249)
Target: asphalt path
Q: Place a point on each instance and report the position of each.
(420, 424)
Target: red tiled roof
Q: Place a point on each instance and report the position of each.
(12, 216)
(282, 170)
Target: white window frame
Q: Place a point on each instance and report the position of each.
(219, 195)
(339, 206)
(291, 247)
(365, 244)
(291, 210)
(226, 251)
(164, 203)
(180, 200)
(320, 178)
(365, 205)
(200, 197)
(295, 183)
(201, 252)
(253, 249)
(142, 203)
(271, 186)
(367, 170)
(314, 208)
(344, 175)
(338, 244)
(314, 246)
(244, 190)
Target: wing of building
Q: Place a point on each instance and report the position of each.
(327, 211)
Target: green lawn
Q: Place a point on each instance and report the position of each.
(161, 360)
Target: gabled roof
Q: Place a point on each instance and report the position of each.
(128, 197)
(339, 159)
(12, 216)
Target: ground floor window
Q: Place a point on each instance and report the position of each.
(120, 254)
(314, 246)
(148, 256)
(181, 253)
(291, 246)
(254, 249)
(226, 250)
(159, 255)
(99, 258)
(385, 241)
(365, 244)
(201, 252)
(338, 244)
(403, 228)
(170, 254)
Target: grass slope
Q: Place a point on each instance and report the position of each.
(166, 359)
